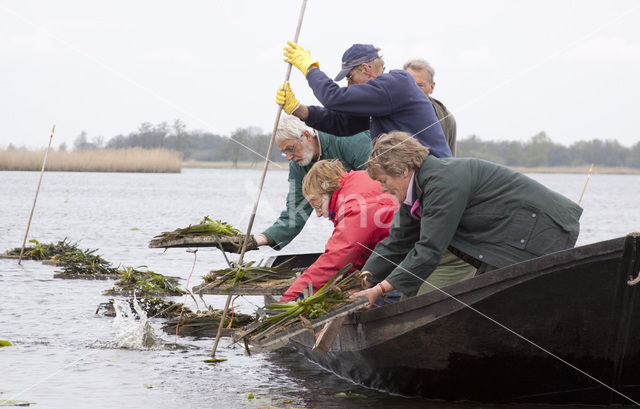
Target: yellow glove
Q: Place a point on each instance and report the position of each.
(299, 58)
(286, 99)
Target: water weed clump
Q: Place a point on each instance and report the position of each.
(153, 307)
(42, 251)
(247, 274)
(84, 264)
(276, 317)
(205, 323)
(207, 227)
(144, 283)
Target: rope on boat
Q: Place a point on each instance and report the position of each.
(195, 257)
(522, 337)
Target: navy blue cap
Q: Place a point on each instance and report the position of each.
(356, 54)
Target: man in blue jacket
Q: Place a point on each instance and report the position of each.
(381, 102)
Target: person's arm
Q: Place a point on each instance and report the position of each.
(343, 247)
(369, 99)
(374, 291)
(335, 123)
(387, 254)
(354, 151)
(320, 118)
(443, 204)
(296, 214)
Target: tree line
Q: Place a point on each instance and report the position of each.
(540, 150)
(250, 145)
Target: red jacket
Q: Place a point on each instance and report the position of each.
(361, 214)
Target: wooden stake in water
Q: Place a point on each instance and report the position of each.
(44, 163)
(585, 184)
(264, 173)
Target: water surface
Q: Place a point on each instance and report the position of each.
(66, 356)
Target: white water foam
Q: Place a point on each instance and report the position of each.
(132, 329)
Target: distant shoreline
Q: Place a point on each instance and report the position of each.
(163, 161)
(101, 160)
(608, 170)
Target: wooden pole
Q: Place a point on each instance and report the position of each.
(585, 184)
(264, 174)
(44, 163)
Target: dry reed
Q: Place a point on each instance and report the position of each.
(99, 160)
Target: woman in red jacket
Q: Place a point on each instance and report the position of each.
(360, 212)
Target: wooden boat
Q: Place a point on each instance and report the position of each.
(563, 328)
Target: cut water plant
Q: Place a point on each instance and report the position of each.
(276, 317)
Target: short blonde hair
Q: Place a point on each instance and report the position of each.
(395, 152)
(323, 179)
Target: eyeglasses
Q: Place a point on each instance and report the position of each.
(318, 207)
(350, 75)
(289, 150)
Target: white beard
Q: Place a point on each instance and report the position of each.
(307, 154)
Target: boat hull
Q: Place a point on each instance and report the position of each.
(563, 328)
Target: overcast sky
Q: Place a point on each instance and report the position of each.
(506, 69)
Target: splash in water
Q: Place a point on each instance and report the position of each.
(132, 329)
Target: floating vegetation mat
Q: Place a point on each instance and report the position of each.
(41, 251)
(207, 233)
(248, 275)
(274, 318)
(154, 307)
(144, 283)
(205, 323)
(84, 264)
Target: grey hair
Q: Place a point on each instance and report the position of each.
(377, 62)
(290, 127)
(420, 65)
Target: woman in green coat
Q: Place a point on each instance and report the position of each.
(486, 214)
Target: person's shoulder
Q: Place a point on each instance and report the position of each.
(438, 103)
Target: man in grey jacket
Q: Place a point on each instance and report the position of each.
(424, 73)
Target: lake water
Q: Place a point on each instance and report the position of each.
(66, 356)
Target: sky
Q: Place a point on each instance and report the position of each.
(507, 70)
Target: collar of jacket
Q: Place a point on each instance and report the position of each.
(333, 202)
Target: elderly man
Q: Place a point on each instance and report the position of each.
(487, 214)
(303, 146)
(381, 102)
(424, 74)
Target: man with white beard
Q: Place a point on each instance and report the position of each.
(303, 146)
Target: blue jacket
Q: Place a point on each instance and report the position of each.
(392, 101)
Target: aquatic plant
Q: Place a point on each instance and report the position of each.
(206, 227)
(153, 307)
(206, 322)
(42, 251)
(84, 262)
(247, 273)
(333, 294)
(144, 282)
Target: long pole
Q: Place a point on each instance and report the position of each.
(264, 174)
(585, 184)
(44, 163)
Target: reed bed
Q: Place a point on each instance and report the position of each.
(98, 160)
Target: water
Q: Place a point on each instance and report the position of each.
(66, 356)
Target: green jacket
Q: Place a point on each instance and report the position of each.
(352, 151)
(448, 123)
(492, 213)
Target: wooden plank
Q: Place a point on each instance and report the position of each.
(280, 339)
(327, 335)
(273, 287)
(194, 241)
